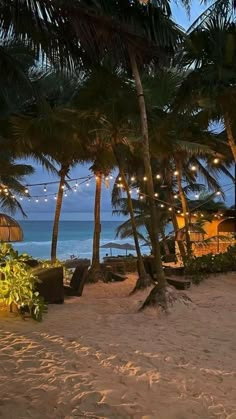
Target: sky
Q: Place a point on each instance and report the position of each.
(79, 205)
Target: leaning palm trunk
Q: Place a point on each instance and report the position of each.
(184, 207)
(165, 244)
(95, 273)
(144, 279)
(174, 218)
(161, 295)
(63, 172)
(229, 133)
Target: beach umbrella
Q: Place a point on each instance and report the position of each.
(127, 246)
(111, 245)
(10, 230)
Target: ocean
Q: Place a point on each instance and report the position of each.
(75, 238)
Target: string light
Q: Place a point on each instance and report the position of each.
(119, 178)
(193, 168)
(45, 188)
(65, 195)
(45, 200)
(132, 179)
(196, 196)
(26, 190)
(75, 189)
(156, 194)
(76, 183)
(218, 193)
(158, 176)
(62, 186)
(21, 199)
(5, 190)
(111, 177)
(145, 178)
(55, 197)
(162, 205)
(141, 196)
(216, 160)
(178, 211)
(176, 173)
(175, 196)
(170, 209)
(36, 200)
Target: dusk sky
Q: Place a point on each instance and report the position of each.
(79, 205)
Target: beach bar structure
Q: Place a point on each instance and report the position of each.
(219, 233)
(10, 230)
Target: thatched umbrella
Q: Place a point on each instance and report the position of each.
(10, 230)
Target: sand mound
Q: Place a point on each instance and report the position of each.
(97, 357)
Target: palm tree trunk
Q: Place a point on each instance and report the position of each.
(184, 206)
(63, 172)
(97, 222)
(143, 280)
(165, 244)
(229, 133)
(95, 273)
(173, 216)
(148, 170)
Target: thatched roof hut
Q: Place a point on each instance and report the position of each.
(10, 230)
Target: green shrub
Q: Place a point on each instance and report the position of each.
(18, 284)
(199, 267)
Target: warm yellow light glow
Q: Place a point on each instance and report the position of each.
(216, 160)
(176, 172)
(145, 178)
(170, 209)
(156, 194)
(193, 168)
(158, 176)
(132, 179)
(175, 196)
(162, 205)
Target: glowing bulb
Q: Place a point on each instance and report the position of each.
(175, 196)
(5, 190)
(107, 177)
(176, 172)
(138, 190)
(178, 211)
(195, 215)
(45, 188)
(45, 200)
(193, 168)
(55, 197)
(216, 160)
(26, 190)
(111, 177)
(145, 178)
(196, 196)
(162, 205)
(187, 213)
(13, 196)
(218, 193)
(62, 186)
(119, 178)
(65, 195)
(75, 189)
(156, 194)
(87, 184)
(76, 184)
(21, 198)
(36, 200)
(202, 215)
(158, 176)
(132, 179)
(170, 209)
(141, 197)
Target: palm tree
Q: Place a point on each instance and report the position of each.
(211, 84)
(52, 131)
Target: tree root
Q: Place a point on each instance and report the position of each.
(94, 275)
(142, 283)
(164, 298)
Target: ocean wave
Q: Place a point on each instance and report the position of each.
(78, 248)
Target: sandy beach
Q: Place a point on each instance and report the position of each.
(97, 357)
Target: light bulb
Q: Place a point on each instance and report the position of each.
(216, 160)
(170, 209)
(5, 190)
(45, 200)
(62, 186)
(218, 193)
(156, 194)
(119, 178)
(36, 200)
(87, 184)
(21, 198)
(65, 195)
(162, 205)
(26, 190)
(178, 211)
(55, 197)
(132, 179)
(175, 196)
(111, 177)
(158, 176)
(193, 168)
(176, 172)
(141, 197)
(45, 188)
(145, 178)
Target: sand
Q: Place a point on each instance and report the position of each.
(97, 357)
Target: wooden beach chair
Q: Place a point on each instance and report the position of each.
(77, 281)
